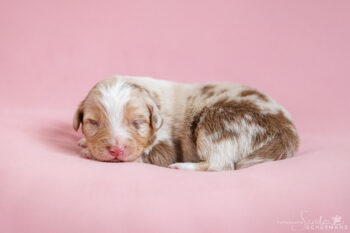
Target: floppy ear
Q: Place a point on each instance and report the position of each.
(154, 110)
(78, 116)
(155, 118)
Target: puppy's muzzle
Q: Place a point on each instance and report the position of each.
(118, 152)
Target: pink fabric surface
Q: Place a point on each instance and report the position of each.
(52, 52)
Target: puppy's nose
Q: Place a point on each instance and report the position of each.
(116, 150)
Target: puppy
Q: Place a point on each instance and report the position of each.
(217, 126)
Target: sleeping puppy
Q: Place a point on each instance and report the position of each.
(212, 127)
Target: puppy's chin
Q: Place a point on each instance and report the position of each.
(128, 158)
(104, 157)
(107, 157)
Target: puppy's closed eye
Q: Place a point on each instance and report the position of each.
(92, 122)
(91, 126)
(137, 123)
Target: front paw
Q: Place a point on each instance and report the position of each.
(82, 143)
(85, 153)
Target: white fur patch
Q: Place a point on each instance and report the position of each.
(114, 99)
(224, 153)
(245, 132)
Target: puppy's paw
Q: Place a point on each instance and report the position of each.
(85, 153)
(183, 166)
(82, 142)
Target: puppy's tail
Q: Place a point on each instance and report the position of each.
(248, 161)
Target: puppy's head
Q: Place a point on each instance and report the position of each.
(119, 120)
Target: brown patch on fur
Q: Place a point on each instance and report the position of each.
(178, 150)
(206, 88)
(258, 139)
(212, 122)
(278, 142)
(284, 143)
(136, 86)
(208, 91)
(225, 110)
(210, 94)
(253, 92)
(163, 154)
(184, 141)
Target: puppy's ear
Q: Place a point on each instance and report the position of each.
(155, 118)
(78, 116)
(153, 106)
(154, 110)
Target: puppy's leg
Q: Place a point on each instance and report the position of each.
(220, 155)
(201, 166)
(82, 143)
(229, 137)
(85, 151)
(222, 138)
(216, 156)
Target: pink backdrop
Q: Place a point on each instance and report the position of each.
(297, 51)
(52, 52)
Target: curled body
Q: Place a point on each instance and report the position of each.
(206, 127)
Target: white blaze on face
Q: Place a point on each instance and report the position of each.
(114, 99)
